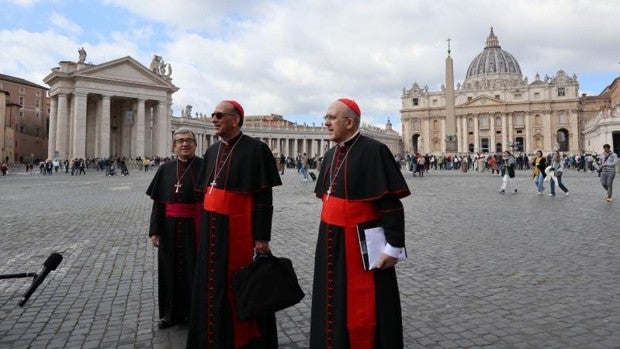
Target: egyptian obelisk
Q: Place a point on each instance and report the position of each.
(450, 126)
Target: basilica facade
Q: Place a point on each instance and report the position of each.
(496, 108)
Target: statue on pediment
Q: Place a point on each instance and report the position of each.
(187, 112)
(155, 64)
(82, 53)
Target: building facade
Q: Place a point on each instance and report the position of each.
(24, 120)
(494, 109)
(601, 119)
(118, 108)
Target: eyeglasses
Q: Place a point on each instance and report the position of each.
(184, 140)
(218, 115)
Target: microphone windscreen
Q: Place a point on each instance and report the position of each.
(53, 261)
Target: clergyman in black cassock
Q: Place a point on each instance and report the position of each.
(173, 228)
(359, 183)
(238, 175)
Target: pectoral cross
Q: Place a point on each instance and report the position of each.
(329, 191)
(213, 183)
(177, 186)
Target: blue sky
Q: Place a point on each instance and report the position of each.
(294, 57)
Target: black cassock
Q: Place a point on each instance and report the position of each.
(237, 179)
(359, 183)
(177, 248)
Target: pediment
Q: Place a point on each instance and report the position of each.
(482, 101)
(124, 70)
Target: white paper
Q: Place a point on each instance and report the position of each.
(375, 245)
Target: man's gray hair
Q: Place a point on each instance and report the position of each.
(182, 130)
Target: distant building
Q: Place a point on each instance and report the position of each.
(24, 120)
(601, 119)
(496, 109)
(113, 109)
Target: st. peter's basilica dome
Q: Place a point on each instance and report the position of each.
(493, 63)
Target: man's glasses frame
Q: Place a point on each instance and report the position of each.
(334, 117)
(218, 115)
(184, 140)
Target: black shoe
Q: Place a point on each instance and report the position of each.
(164, 323)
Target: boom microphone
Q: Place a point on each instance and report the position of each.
(51, 263)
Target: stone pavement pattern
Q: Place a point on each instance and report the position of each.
(484, 269)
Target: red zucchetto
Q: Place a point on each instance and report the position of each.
(352, 105)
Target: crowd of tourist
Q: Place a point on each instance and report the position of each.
(80, 166)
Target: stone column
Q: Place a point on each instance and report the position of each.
(140, 130)
(548, 140)
(426, 123)
(505, 136)
(476, 134)
(465, 135)
(51, 143)
(161, 139)
(62, 127)
(157, 123)
(492, 135)
(78, 149)
(104, 132)
(443, 134)
(510, 127)
(527, 147)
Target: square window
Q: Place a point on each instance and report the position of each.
(415, 101)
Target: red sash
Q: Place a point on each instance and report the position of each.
(178, 210)
(238, 207)
(361, 308)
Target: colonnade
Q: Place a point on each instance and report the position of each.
(101, 126)
(516, 131)
(288, 144)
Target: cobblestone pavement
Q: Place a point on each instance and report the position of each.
(485, 269)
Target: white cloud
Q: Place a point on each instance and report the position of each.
(294, 57)
(62, 23)
(24, 3)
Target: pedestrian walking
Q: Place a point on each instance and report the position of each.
(539, 164)
(509, 173)
(557, 166)
(608, 170)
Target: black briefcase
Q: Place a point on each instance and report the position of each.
(267, 285)
(312, 175)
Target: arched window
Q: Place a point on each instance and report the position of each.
(537, 120)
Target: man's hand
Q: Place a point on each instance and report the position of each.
(386, 262)
(155, 240)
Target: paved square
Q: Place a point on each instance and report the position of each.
(485, 269)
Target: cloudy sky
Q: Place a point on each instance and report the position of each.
(295, 57)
